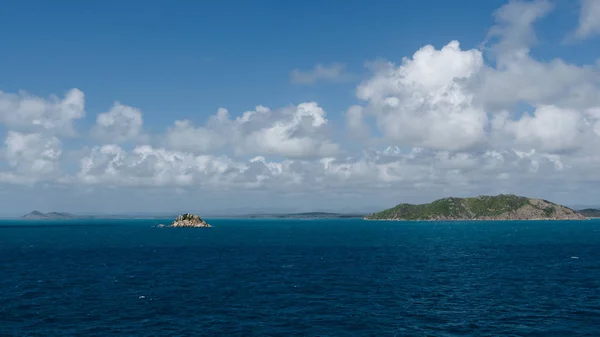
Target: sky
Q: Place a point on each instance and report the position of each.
(236, 106)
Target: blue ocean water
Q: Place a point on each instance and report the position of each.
(300, 278)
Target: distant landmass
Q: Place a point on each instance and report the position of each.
(590, 212)
(64, 215)
(305, 215)
(51, 215)
(499, 207)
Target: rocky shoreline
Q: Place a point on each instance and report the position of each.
(481, 219)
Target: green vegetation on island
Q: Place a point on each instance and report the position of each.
(500, 207)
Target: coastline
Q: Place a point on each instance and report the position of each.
(473, 220)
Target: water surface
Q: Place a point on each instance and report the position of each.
(337, 277)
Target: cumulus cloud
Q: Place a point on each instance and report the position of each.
(26, 112)
(549, 83)
(449, 99)
(518, 77)
(589, 19)
(334, 72)
(564, 94)
(32, 157)
(550, 129)
(120, 124)
(355, 122)
(295, 131)
(417, 169)
(184, 135)
(148, 166)
(425, 101)
(292, 132)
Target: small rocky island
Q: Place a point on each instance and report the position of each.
(188, 220)
(499, 207)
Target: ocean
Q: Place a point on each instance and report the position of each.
(259, 277)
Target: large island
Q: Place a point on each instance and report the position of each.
(499, 207)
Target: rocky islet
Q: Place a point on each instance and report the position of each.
(188, 220)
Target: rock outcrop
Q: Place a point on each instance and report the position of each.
(189, 220)
(500, 207)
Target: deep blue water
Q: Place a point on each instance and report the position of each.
(302, 278)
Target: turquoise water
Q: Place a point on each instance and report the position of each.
(295, 277)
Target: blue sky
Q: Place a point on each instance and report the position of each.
(190, 58)
(185, 60)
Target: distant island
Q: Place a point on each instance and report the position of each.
(590, 212)
(305, 215)
(188, 220)
(500, 207)
(51, 215)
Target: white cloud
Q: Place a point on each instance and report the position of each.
(589, 19)
(120, 124)
(550, 83)
(448, 99)
(26, 112)
(355, 122)
(183, 135)
(425, 101)
(335, 72)
(145, 166)
(417, 170)
(517, 77)
(295, 131)
(514, 28)
(31, 156)
(292, 132)
(550, 129)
